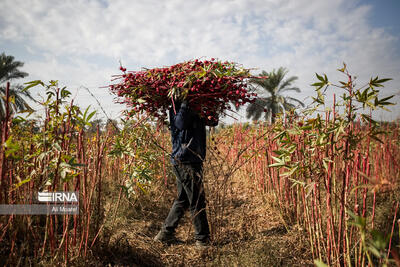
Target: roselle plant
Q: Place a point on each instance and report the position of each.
(209, 85)
(140, 148)
(324, 170)
(51, 154)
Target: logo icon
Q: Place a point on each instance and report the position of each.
(58, 196)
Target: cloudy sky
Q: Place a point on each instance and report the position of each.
(81, 42)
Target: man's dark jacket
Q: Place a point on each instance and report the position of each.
(188, 134)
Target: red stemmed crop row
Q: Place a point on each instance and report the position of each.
(210, 86)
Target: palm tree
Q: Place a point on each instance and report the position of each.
(9, 70)
(275, 102)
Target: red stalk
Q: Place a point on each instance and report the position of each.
(391, 234)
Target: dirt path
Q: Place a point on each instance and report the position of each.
(250, 233)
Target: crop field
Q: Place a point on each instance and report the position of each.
(314, 188)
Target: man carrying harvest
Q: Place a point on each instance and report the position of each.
(211, 86)
(188, 134)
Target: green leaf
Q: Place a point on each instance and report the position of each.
(319, 84)
(63, 173)
(325, 78)
(367, 118)
(278, 163)
(374, 251)
(11, 146)
(18, 120)
(290, 172)
(317, 100)
(278, 152)
(23, 182)
(90, 116)
(383, 101)
(296, 182)
(57, 146)
(32, 84)
(342, 69)
(379, 240)
(281, 134)
(43, 155)
(320, 77)
(383, 80)
(65, 93)
(358, 221)
(376, 82)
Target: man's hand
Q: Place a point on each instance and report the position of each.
(212, 121)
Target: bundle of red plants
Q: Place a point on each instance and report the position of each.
(209, 86)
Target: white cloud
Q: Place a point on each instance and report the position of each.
(304, 36)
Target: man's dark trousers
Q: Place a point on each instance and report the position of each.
(189, 179)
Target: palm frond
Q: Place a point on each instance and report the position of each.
(295, 100)
(263, 84)
(255, 110)
(289, 106)
(296, 89)
(288, 82)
